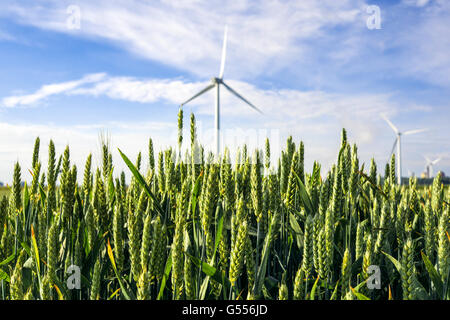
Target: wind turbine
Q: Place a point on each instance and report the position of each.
(215, 83)
(398, 143)
(430, 165)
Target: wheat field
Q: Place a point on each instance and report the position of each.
(195, 227)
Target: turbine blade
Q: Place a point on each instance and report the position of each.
(224, 53)
(241, 97)
(414, 131)
(393, 147)
(199, 94)
(435, 161)
(389, 123)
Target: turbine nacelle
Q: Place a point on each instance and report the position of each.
(216, 80)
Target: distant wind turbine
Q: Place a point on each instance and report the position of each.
(398, 143)
(430, 164)
(216, 82)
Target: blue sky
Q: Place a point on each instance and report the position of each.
(313, 67)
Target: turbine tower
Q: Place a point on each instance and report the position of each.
(430, 165)
(215, 83)
(398, 143)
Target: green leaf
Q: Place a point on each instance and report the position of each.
(142, 182)
(359, 295)
(26, 247)
(203, 288)
(447, 283)
(360, 285)
(35, 250)
(397, 264)
(261, 274)
(93, 254)
(314, 288)
(60, 295)
(167, 270)
(195, 192)
(42, 192)
(114, 294)
(334, 294)
(297, 230)
(4, 276)
(62, 289)
(419, 291)
(126, 294)
(218, 236)
(306, 199)
(433, 275)
(219, 218)
(9, 259)
(215, 274)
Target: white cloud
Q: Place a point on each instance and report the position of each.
(49, 90)
(188, 34)
(417, 3)
(144, 91)
(280, 104)
(264, 38)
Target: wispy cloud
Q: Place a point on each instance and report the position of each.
(417, 3)
(188, 34)
(263, 38)
(49, 90)
(279, 103)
